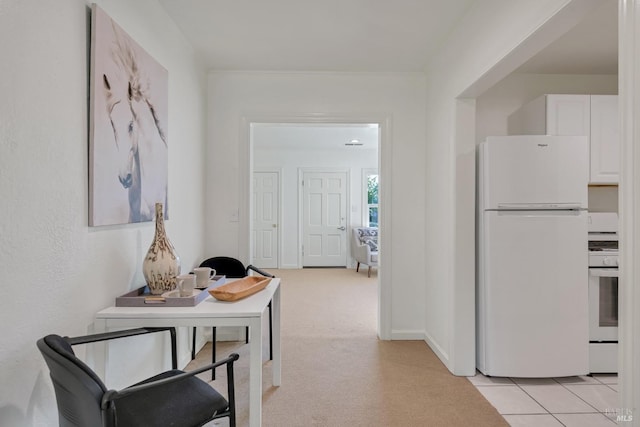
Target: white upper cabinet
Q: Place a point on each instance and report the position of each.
(593, 116)
(568, 115)
(605, 145)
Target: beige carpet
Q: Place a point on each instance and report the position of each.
(335, 371)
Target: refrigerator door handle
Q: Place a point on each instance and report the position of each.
(540, 213)
(539, 206)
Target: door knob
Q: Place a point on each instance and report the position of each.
(274, 225)
(342, 228)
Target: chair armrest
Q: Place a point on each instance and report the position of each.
(114, 335)
(259, 271)
(86, 339)
(362, 251)
(112, 395)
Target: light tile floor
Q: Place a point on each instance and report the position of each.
(585, 401)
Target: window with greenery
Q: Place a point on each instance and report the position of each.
(371, 199)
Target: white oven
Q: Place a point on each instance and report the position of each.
(603, 304)
(603, 293)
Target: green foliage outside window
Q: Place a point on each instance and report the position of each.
(372, 199)
(372, 189)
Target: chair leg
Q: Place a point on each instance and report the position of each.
(369, 272)
(358, 267)
(174, 351)
(231, 395)
(213, 352)
(193, 344)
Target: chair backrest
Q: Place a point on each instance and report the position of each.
(355, 236)
(230, 267)
(78, 389)
(367, 236)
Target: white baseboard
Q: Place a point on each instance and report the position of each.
(437, 349)
(184, 359)
(407, 335)
(230, 333)
(289, 267)
(223, 333)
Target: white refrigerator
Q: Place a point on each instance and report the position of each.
(532, 284)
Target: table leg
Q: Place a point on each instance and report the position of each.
(255, 372)
(276, 351)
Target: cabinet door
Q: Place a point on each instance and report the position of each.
(605, 141)
(568, 115)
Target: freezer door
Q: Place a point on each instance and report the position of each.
(516, 171)
(533, 294)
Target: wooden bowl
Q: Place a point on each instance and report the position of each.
(239, 289)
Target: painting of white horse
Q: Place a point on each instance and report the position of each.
(128, 128)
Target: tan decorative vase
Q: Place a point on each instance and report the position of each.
(162, 264)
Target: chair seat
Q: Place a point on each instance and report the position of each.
(183, 403)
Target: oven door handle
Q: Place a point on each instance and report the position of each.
(603, 272)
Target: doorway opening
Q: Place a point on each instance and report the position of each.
(288, 147)
(320, 195)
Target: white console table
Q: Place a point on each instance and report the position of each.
(210, 312)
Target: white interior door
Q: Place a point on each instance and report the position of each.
(266, 202)
(324, 219)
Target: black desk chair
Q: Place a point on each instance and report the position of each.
(233, 269)
(174, 397)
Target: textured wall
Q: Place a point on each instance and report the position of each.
(55, 271)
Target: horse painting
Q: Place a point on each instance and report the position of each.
(129, 150)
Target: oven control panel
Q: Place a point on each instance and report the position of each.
(603, 260)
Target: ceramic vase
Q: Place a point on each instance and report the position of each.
(161, 266)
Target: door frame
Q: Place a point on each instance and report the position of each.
(629, 190)
(278, 171)
(385, 155)
(301, 172)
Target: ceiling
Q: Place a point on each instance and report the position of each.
(364, 35)
(311, 35)
(591, 47)
(360, 35)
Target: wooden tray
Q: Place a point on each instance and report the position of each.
(239, 289)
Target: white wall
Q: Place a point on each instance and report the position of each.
(492, 39)
(288, 161)
(56, 272)
(233, 96)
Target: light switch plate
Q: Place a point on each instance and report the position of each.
(235, 215)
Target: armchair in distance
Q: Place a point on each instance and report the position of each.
(364, 247)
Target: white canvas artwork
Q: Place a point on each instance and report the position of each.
(128, 151)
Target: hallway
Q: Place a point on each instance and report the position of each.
(335, 371)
